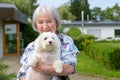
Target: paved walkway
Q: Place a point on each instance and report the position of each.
(14, 64)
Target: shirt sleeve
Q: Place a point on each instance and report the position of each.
(24, 59)
(69, 51)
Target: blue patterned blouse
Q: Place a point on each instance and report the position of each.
(68, 54)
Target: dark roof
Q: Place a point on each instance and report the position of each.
(9, 12)
(90, 23)
(3, 5)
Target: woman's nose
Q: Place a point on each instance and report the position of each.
(45, 25)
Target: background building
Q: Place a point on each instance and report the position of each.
(10, 22)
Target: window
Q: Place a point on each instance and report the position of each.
(117, 33)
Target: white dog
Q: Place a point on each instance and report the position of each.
(46, 49)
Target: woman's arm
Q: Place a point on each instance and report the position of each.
(24, 59)
(48, 69)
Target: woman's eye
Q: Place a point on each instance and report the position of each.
(49, 21)
(40, 22)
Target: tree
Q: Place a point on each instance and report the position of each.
(76, 6)
(26, 6)
(28, 34)
(116, 12)
(65, 13)
(107, 14)
(96, 13)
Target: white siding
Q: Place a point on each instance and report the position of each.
(1, 41)
(107, 32)
(95, 32)
(101, 32)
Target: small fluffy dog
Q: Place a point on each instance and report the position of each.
(46, 49)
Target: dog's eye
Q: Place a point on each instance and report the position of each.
(53, 38)
(45, 38)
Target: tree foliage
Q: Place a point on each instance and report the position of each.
(26, 6)
(76, 6)
(65, 13)
(96, 13)
(28, 34)
(112, 13)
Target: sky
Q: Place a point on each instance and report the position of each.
(93, 3)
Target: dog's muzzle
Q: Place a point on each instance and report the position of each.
(50, 42)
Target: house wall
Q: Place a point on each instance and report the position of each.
(107, 32)
(104, 31)
(1, 40)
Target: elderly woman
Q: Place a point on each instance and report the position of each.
(46, 19)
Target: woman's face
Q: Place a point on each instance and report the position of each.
(46, 24)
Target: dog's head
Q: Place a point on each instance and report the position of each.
(47, 41)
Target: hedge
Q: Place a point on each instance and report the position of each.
(4, 75)
(80, 40)
(105, 53)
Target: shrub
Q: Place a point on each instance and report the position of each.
(75, 33)
(3, 74)
(80, 40)
(61, 29)
(28, 34)
(115, 59)
(85, 40)
(105, 53)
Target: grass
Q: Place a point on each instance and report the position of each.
(3, 74)
(88, 65)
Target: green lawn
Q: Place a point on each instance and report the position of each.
(87, 65)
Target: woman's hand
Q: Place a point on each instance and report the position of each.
(39, 67)
(23, 79)
(48, 69)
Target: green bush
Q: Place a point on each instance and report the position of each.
(61, 29)
(105, 53)
(89, 66)
(115, 59)
(80, 40)
(3, 74)
(75, 33)
(28, 34)
(85, 40)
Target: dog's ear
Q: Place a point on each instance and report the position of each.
(37, 44)
(57, 40)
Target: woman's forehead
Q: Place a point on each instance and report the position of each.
(45, 16)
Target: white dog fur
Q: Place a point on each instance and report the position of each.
(46, 49)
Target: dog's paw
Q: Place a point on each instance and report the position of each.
(32, 62)
(58, 66)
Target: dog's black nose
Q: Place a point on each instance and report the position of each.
(50, 42)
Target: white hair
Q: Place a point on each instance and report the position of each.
(46, 10)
